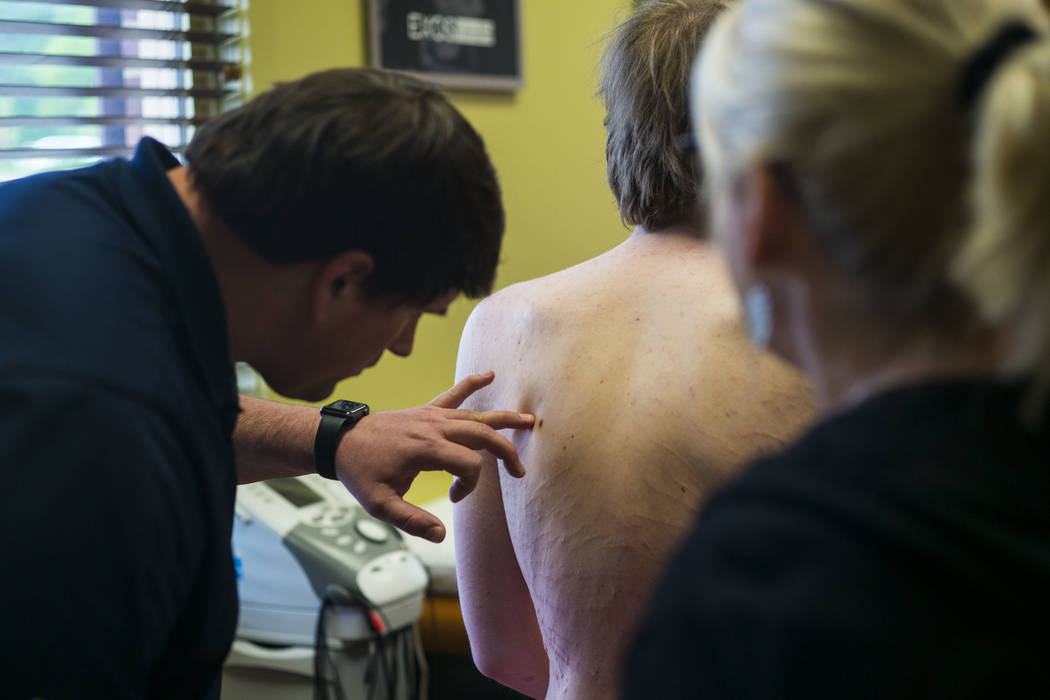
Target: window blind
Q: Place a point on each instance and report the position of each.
(86, 79)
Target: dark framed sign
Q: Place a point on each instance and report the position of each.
(472, 44)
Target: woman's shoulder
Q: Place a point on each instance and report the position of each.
(908, 490)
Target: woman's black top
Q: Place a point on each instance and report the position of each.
(900, 549)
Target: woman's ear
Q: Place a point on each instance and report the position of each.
(338, 283)
(771, 217)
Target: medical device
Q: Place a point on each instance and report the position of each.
(329, 596)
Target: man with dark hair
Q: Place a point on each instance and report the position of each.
(309, 231)
(646, 392)
(298, 176)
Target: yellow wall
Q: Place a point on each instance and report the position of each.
(546, 141)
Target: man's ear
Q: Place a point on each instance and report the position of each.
(771, 217)
(339, 282)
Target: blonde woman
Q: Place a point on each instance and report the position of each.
(880, 177)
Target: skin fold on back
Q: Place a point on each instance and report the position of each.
(647, 396)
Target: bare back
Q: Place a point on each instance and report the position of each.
(647, 396)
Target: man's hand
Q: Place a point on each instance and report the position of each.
(379, 458)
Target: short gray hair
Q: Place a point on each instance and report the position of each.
(645, 86)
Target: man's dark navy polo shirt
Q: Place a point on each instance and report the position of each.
(117, 404)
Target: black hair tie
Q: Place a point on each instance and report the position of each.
(979, 68)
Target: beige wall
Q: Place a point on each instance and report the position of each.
(546, 141)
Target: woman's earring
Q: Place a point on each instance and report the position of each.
(758, 314)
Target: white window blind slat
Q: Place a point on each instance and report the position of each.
(87, 79)
(203, 9)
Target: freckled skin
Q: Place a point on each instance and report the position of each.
(649, 396)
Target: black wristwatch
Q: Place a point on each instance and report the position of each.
(335, 418)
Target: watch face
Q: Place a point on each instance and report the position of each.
(346, 409)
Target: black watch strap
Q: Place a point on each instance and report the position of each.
(335, 418)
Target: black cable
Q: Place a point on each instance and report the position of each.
(320, 648)
(322, 654)
(411, 666)
(370, 671)
(388, 654)
(399, 664)
(404, 646)
(379, 660)
(394, 668)
(397, 660)
(381, 627)
(384, 662)
(413, 660)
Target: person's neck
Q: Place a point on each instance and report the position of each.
(248, 299)
(849, 365)
(689, 228)
(679, 243)
(681, 235)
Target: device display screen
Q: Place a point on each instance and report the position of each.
(297, 493)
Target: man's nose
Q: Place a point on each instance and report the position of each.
(402, 344)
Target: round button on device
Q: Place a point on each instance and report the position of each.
(371, 530)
